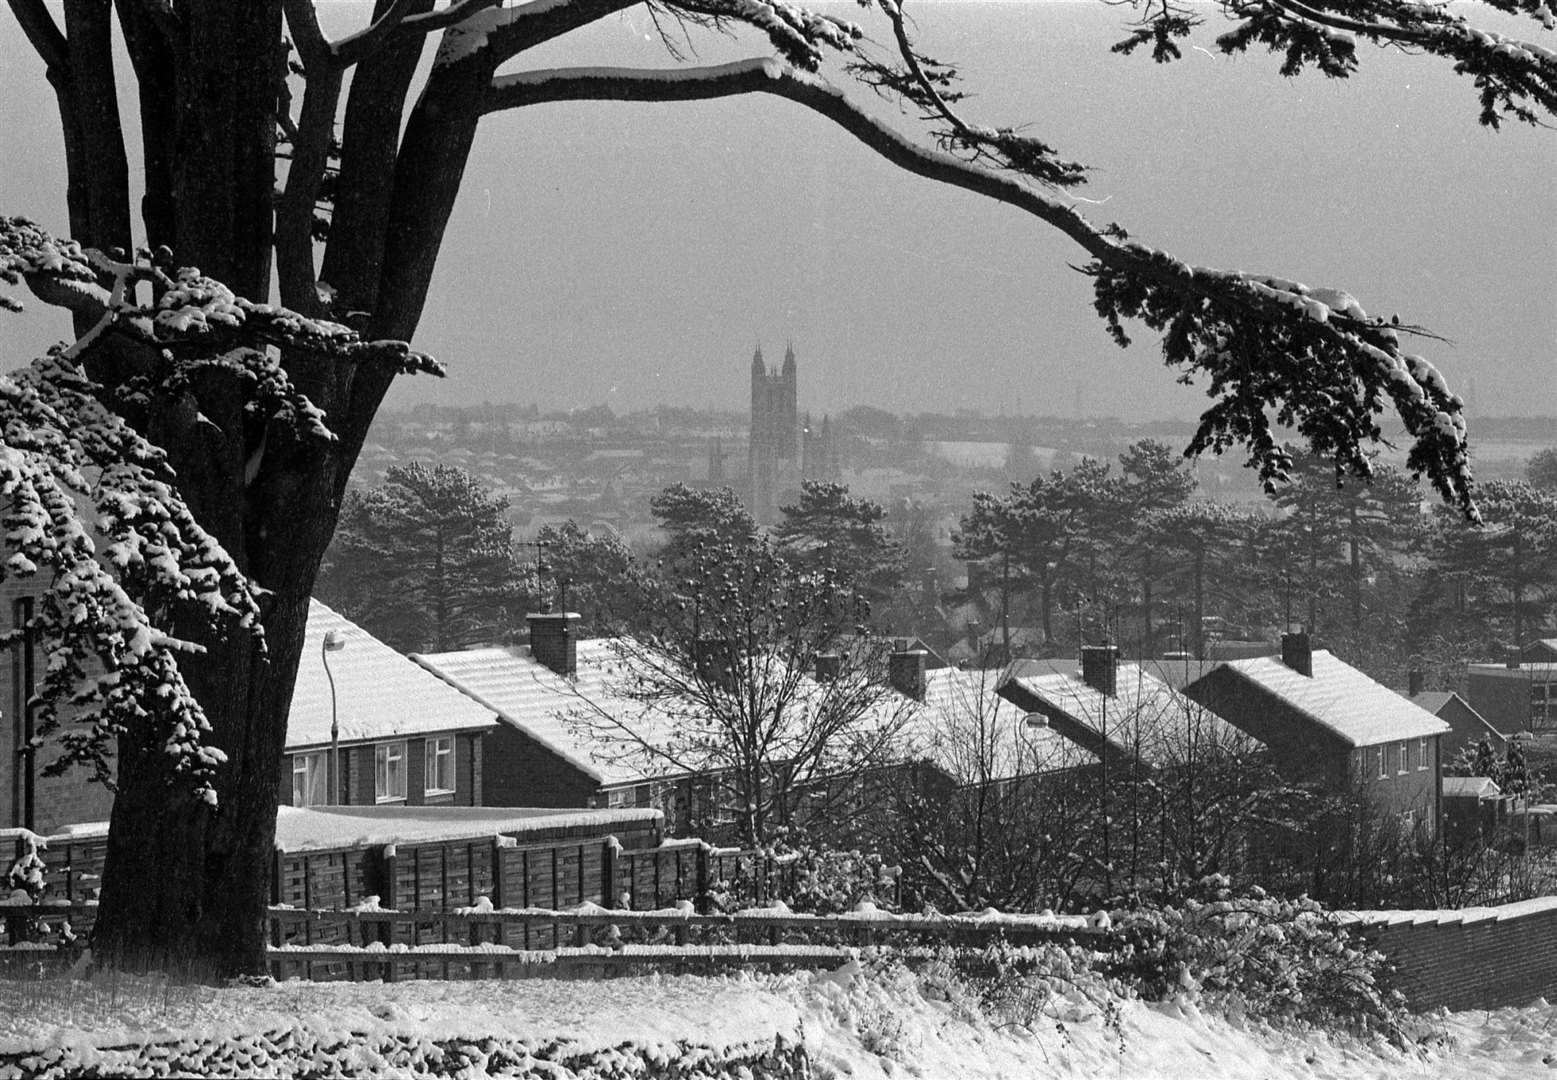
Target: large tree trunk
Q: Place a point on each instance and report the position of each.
(185, 887)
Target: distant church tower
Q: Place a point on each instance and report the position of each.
(773, 463)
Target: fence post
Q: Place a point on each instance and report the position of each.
(700, 902)
(388, 861)
(608, 872)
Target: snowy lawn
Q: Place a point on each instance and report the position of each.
(883, 1024)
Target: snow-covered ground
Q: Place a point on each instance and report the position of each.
(881, 1025)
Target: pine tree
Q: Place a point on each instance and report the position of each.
(830, 529)
(426, 561)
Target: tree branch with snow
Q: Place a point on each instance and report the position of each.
(1266, 345)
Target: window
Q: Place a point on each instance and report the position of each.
(1408, 821)
(1405, 757)
(1383, 762)
(1421, 754)
(310, 779)
(389, 772)
(1543, 706)
(440, 765)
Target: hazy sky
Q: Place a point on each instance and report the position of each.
(634, 254)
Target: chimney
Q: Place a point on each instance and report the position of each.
(1415, 681)
(1297, 654)
(1513, 660)
(828, 666)
(554, 641)
(905, 671)
(1100, 668)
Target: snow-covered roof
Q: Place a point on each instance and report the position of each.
(527, 694)
(1470, 787)
(322, 828)
(563, 714)
(1534, 670)
(379, 693)
(1338, 697)
(973, 734)
(1145, 716)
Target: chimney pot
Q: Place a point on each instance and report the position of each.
(1297, 653)
(1415, 682)
(905, 671)
(554, 641)
(1100, 668)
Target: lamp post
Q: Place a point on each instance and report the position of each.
(333, 642)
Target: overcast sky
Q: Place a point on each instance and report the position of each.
(635, 254)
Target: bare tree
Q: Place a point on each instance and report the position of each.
(720, 681)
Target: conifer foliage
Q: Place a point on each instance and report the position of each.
(425, 561)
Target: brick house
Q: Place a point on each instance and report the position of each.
(547, 696)
(1127, 712)
(535, 756)
(1467, 727)
(1516, 696)
(1324, 721)
(405, 738)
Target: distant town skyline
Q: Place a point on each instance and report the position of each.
(633, 254)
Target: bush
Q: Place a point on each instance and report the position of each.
(1273, 958)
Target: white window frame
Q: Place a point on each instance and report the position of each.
(313, 770)
(1404, 765)
(1421, 754)
(1383, 761)
(384, 754)
(439, 757)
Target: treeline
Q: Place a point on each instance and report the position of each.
(1379, 574)
(427, 561)
(1127, 550)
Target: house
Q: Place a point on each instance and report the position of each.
(1126, 712)
(403, 736)
(397, 735)
(1325, 721)
(536, 756)
(553, 696)
(1520, 695)
(973, 734)
(1541, 650)
(1467, 727)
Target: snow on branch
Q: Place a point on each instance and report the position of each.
(90, 507)
(92, 513)
(927, 84)
(1513, 78)
(1311, 356)
(194, 314)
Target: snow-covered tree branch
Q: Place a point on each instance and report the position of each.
(1311, 356)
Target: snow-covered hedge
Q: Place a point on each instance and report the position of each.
(1274, 958)
(299, 1052)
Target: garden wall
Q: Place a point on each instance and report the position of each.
(1475, 958)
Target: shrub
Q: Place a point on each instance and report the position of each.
(1274, 958)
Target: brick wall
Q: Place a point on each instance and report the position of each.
(1478, 958)
(57, 801)
(1502, 695)
(518, 771)
(359, 774)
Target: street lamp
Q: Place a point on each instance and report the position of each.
(333, 642)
